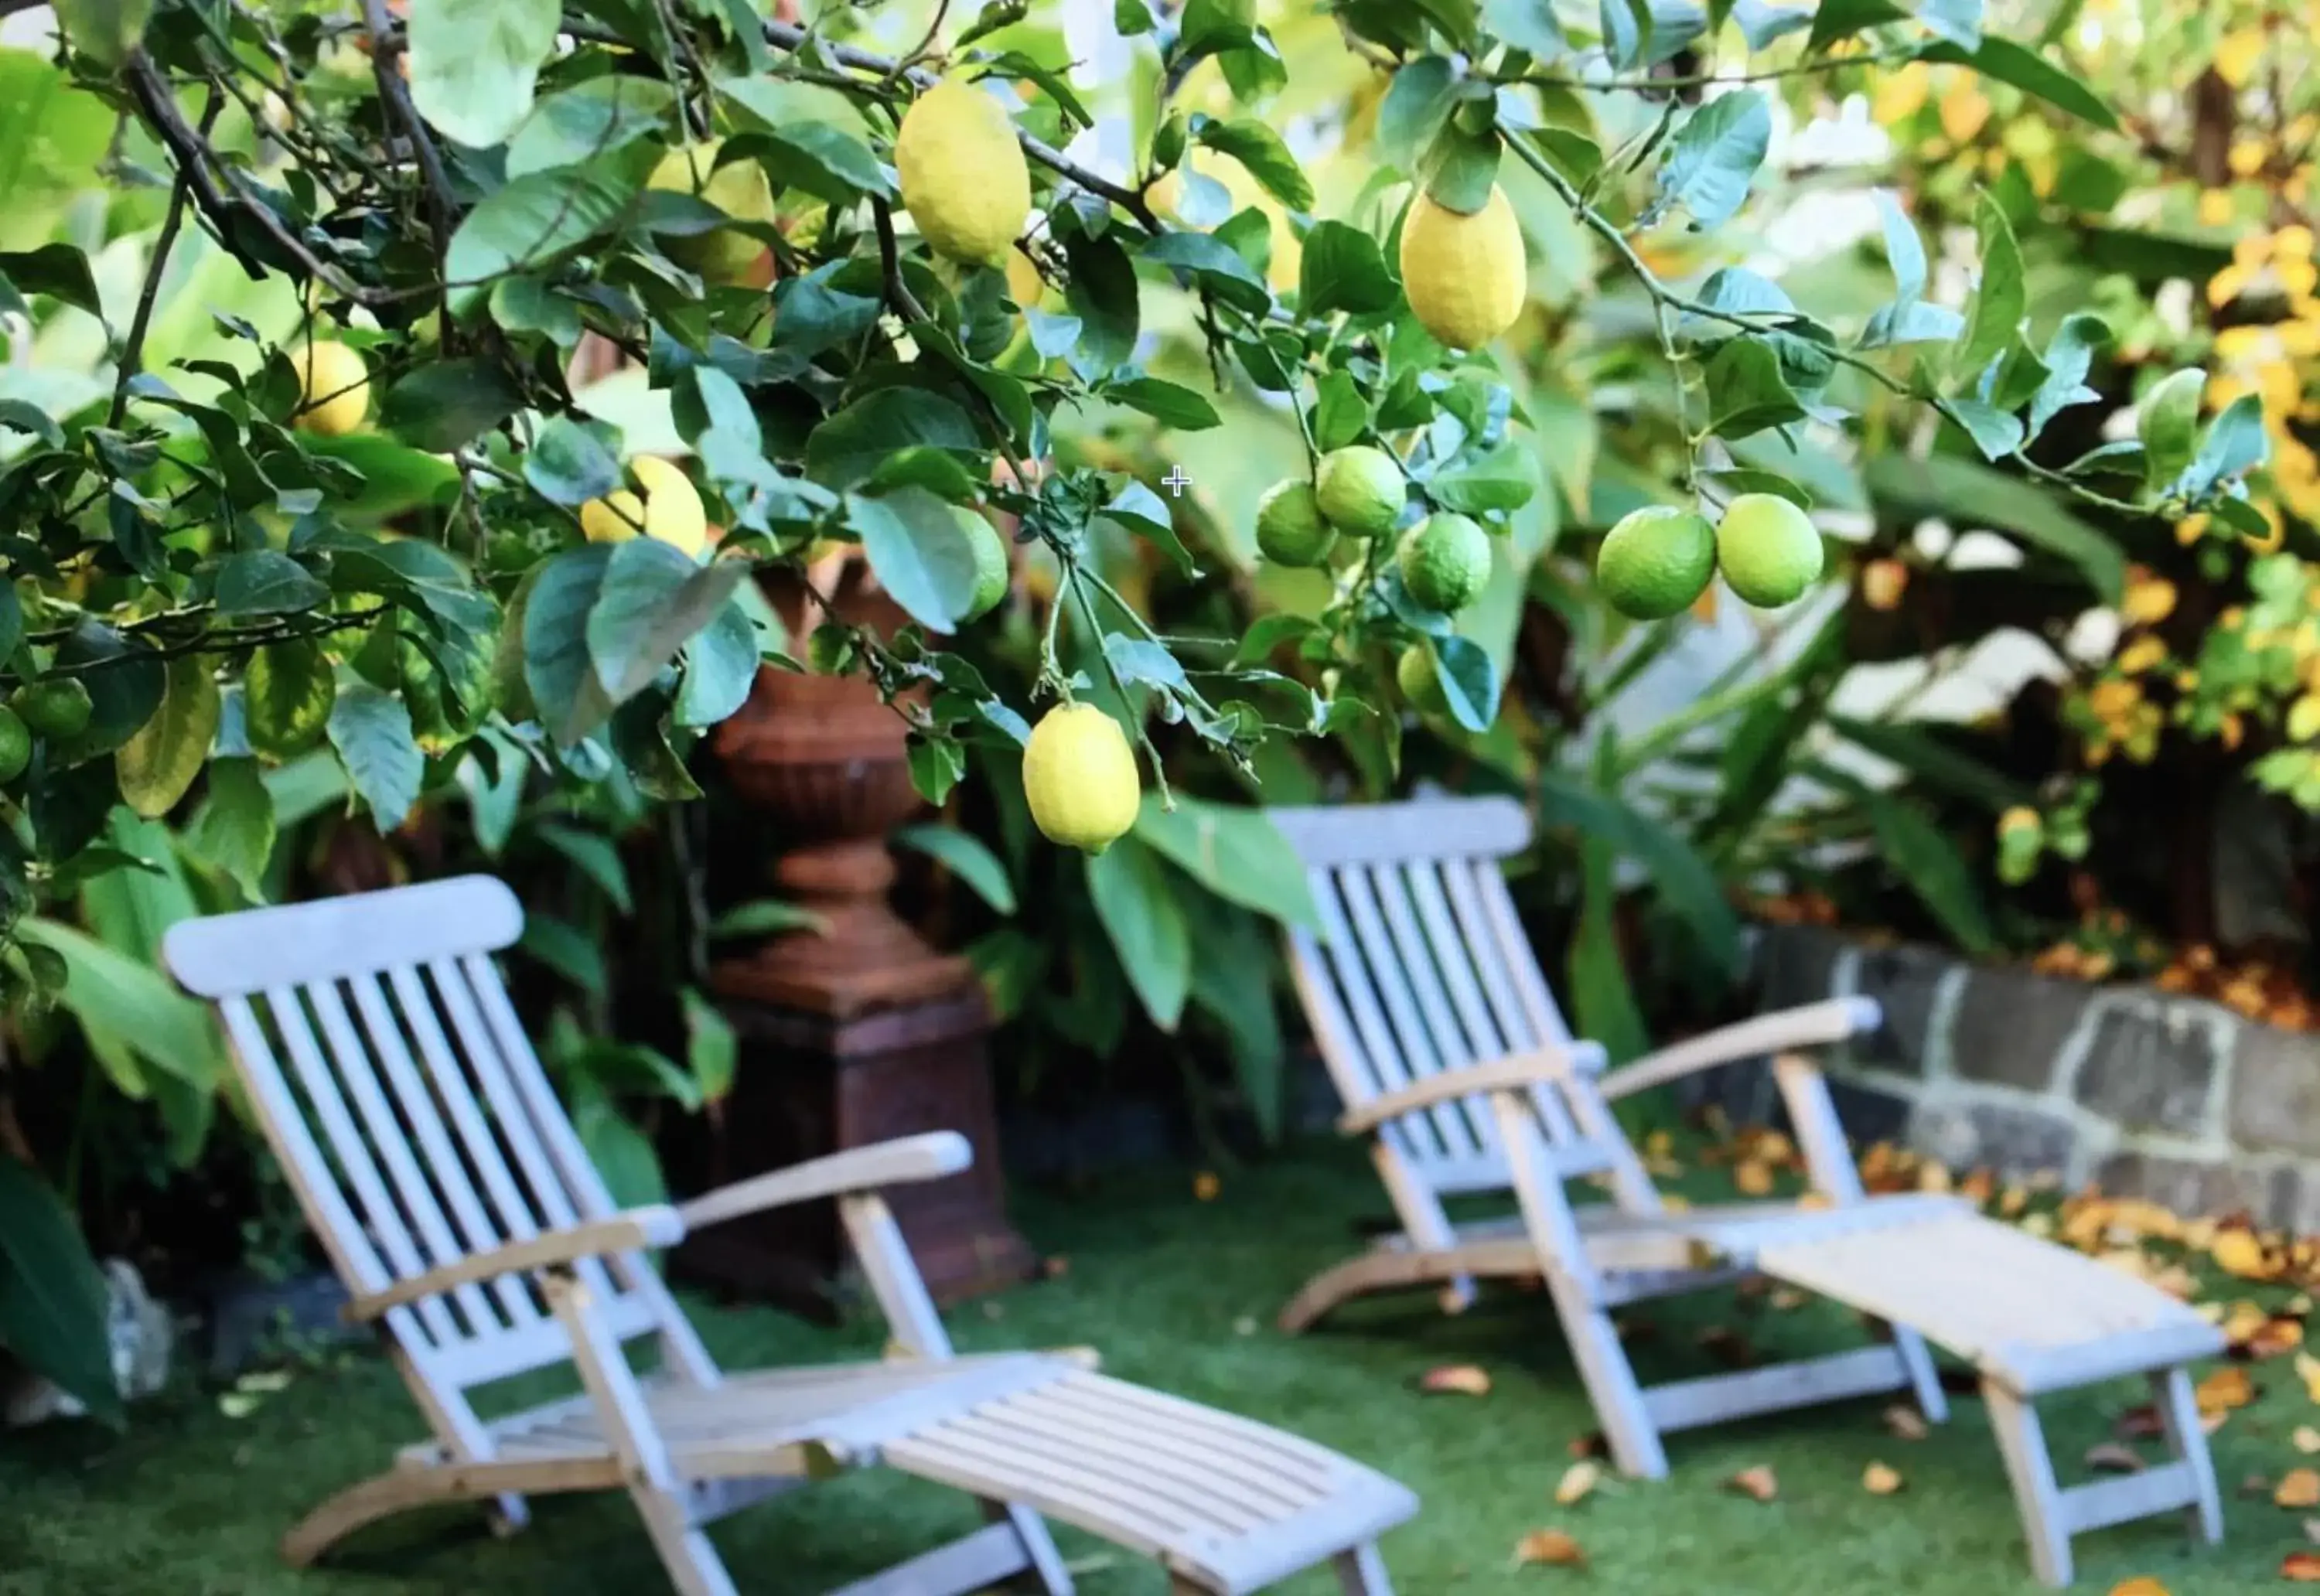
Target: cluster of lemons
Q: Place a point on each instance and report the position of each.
(1657, 561)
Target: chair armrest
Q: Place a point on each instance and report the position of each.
(907, 1158)
(632, 1231)
(1497, 1074)
(1807, 1025)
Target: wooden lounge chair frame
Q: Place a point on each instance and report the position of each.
(432, 1157)
(1449, 1052)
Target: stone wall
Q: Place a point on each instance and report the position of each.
(2141, 1090)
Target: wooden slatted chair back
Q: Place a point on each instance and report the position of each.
(1420, 965)
(403, 1100)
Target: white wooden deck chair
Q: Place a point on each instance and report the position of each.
(1448, 1049)
(432, 1158)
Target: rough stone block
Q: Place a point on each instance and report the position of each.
(2011, 1026)
(2275, 1097)
(2201, 1188)
(2012, 1140)
(2150, 1064)
(1903, 981)
(1798, 965)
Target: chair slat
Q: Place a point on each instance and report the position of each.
(419, 1106)
(385, 1225)
(518, 1222)
(413, 1192)
(1485, 911)
(1414, 1136)
(511, 1115)
(1421, 964)
(1393, 988)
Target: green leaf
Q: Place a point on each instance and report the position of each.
(1470, 681)
(1343, 269)
(1139, 911)
(21, 415)
(2070, 356)
(848, 446)
(721, 665)
(474, 64)
(1417, 105)
(966, 856)
(1340, 413)
(938, 764)
(1130, 18)
(763, 917)
(1931, 761)
(1714, 157)
(156, 766)
(2009, 62)
(1929, 865)
(1171, 404)
(54, 1313)
(1265, 157)
(531, 222)
(106, 30)
(1994, 433)
(571, 462)
(57, 270)
(122, 695)
(710, 1049)
(650, 603)
(1236, 853)
(1746, 389)
(445, 407)
(1968, 495)
(1527, 25)
(1602, 1002)
(1216, 265)
(2167, 424)
(1460, 167)
(569, 951)
(595, 856)
(122, 1000)
(1688, 884)
(266, 582)
(2000, 299)
(1502, 478)
(1100, 291)
(234, 829)
(589, 121)
(1841, 19)
(286, 697)
(371, 730)
(1747, 480)
(827, 162)
(2235, 442)
(920, 552)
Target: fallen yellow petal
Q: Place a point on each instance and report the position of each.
(1577, 1480)
(1464, 1379)
(1552, 1546)
(1758, 1481)
(2299, 1488)
(1877, 1479)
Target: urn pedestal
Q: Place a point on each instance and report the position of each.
(852, 1032)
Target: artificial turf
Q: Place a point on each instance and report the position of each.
(1178, 1294)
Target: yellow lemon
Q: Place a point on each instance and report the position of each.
(1080, 778)
(964, 178)
(1025, 285)
(1463, 274)
(739, 189)
(670, 510)
(333, 388)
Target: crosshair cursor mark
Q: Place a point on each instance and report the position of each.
(1177, 480)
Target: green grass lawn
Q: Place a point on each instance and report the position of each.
(1179, 1294)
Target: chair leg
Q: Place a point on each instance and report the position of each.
(1043, 1562)
(2187, 1438)
(2022, 1442)
(1924, 1380)
(1361, 1572)
(1610, 1382)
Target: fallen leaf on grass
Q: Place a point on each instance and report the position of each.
(1463, 1379)
(263, 1382)
(2141, 1586)
(2298, 1305)
(2240, 1253)
(238, 1404)
(1934, 1178)
(1593, 1444)
(1753, 1176)
(2308, 1369)
(1880, 1481)
(1577, 1480)
(2306, 1439)
(2111, 1458)
(2012, 1200)
(2312, 1529)
(2302, 1567)
(1814, 1201)
(2225, 1389)
(1978, 1186)
(1206, 1185)
(1553, 1547)
(1758, 1482)
(1906, 1422)
(1786, 1299)
(2299, 1488)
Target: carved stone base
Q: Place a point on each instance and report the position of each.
(809, 1083)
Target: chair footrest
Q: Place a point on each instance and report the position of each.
(1226, 1504)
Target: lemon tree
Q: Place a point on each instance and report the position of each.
(865, 299)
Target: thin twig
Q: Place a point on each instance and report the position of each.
(132, 351)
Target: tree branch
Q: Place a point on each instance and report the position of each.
(386, 50)
(132, 351)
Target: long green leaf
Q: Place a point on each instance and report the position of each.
(1920, 751)
(1969, 494)
(1137, 907)
(1687, 883)
(52, 1298)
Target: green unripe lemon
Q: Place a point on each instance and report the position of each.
(1420, 681)
(1289, 529)
(1445, 561)
(1768, 549)
(990, 564)
(1360, 490)
(1656, 562)
(15, 744)
(55, 709)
